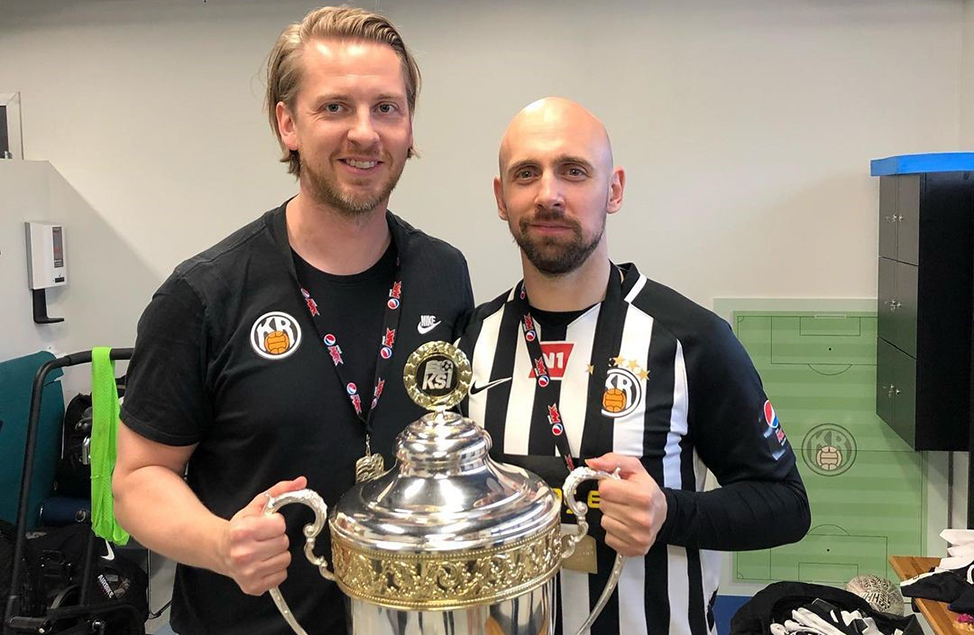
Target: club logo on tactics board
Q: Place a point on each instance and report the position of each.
(275, 335)
(829, 449)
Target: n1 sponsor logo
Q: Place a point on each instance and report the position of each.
(555, 356)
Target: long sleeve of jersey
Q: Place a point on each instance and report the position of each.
(737, 435)
(737, 517)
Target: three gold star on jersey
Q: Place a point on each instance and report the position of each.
(622, 362)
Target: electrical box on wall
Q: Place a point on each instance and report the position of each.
(47, 264)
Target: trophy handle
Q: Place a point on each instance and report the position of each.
(311, 499)
(569, 542)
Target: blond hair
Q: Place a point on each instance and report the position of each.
(284, 66)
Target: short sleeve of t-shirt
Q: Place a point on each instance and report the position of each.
(165, 397)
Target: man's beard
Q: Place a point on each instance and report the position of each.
(552, 257)
(326, 190)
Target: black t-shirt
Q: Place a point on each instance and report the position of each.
(341, 300)
(227, 357)
(556, 319)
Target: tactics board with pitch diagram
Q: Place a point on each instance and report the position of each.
(866, 486)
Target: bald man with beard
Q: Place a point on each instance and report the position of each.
(586, 361)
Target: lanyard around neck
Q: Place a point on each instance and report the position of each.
(328, 335)
(610, 321)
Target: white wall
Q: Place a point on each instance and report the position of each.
(26, 194)
(108, 284)
(746, 126)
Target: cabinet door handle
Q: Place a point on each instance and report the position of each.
(892, 390)
(889, 219)
(898, 219)
(893, 305)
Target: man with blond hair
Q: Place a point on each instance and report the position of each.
(586, 360)
(271, 361)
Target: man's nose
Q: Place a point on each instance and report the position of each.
(550, 195)
(363, 131)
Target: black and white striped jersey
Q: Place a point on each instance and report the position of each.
(679, 392)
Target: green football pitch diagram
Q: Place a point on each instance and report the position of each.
(866, 487)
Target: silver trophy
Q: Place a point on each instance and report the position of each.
(448, 541)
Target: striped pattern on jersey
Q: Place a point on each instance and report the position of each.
(670, 589)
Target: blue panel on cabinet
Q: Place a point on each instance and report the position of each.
(918, 163)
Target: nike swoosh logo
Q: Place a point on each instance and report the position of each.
(423, 330)
(475, 389)
(111, 552)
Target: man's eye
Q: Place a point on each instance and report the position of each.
(332, 108)
(524, 174)
(386, 109)
(575, 171)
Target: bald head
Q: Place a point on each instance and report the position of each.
(559, 124)
(557, 183)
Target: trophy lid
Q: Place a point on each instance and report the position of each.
(447, 527)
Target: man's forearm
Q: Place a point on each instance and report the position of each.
(159, 510)
(737, 517)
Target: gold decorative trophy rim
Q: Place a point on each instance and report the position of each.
(437, 581)
(426, 352)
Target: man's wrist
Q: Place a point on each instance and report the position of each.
(663, 536)
(216, 556)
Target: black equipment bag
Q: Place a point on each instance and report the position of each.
(54, 571)
(73, 475)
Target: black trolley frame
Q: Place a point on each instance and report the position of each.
(83, 617)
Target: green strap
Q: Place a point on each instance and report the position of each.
(104, 427)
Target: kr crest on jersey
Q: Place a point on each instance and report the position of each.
(275, 335)
(623, 391)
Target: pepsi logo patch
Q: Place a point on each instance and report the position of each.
(351, 388)
(385, 352)
(770, 416)
(774, 433)
(330, 340)
(393, 303)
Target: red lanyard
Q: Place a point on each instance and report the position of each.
(329, 338)
(610, 316)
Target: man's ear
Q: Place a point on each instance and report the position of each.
(499, 197)
(617, 184)
(285, 126)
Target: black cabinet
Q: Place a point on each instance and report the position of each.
(926, 270)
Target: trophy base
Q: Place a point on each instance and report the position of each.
(529, 614)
